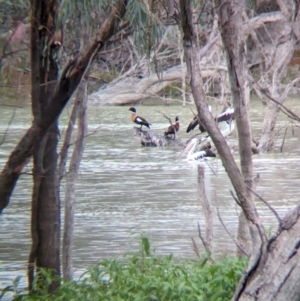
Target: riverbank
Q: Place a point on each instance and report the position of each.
(144, 277)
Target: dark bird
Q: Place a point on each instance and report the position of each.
(138, 120)
(173, 128)
(195, 122)
(197, 156)
(225, 122)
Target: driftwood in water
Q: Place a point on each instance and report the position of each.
(151, 138)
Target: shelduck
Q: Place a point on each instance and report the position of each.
(138, 119)
(197, 156)
(173, 128)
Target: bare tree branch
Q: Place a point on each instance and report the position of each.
(230, 235)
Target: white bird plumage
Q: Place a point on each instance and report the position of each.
(225, 122)
(197, 156)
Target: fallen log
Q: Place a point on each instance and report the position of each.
(152, 138)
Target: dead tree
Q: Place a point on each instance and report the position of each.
(272, 36)
(207, 239)
(273, 269)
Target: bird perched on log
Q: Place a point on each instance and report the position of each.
(138, 119)
(225, 122)
(200, 155)
(172, 129)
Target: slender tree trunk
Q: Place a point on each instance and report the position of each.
(235, 47)
(209, 223)
(190, 49)
(67, 251)
(261, 280)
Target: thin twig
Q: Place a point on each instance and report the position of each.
(165, 116)
(7, 128)
(282, 107)
(195, 247)
(172, 125)
(281, 147)
(267, 204)
(235, 198)
(207, 163)
(230, 235)
(205, 245)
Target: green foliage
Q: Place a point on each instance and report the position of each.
(145, 246)
(150, 278)
(147, 29)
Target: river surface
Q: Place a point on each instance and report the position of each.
(125, 190)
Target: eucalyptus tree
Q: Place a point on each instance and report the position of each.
(50, 94)
(273, 269)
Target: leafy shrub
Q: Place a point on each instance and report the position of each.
(151, 278)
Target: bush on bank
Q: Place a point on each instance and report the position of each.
(141, 277)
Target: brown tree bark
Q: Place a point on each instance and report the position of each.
(45, 218)
(273, 270)
(190, 49)
(42, 137)
(70, 78)
(236, 53)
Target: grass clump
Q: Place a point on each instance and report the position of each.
(151, 278)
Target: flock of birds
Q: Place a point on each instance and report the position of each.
(225, 121)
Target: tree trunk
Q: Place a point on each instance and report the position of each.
(282, 36)
(235, 47)
(261, 281)
(69, 80)
(209, 223)
(278, 277)
(48, 213)
(45, 218)
(67, 251)
(190, 49)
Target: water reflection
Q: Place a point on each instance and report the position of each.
(124, 190)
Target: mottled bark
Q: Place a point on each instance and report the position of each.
(278, 277)
(48, 213)
(45, 218)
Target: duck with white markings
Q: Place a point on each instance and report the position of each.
(172, 129)
(138, 119)
(197, 156)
